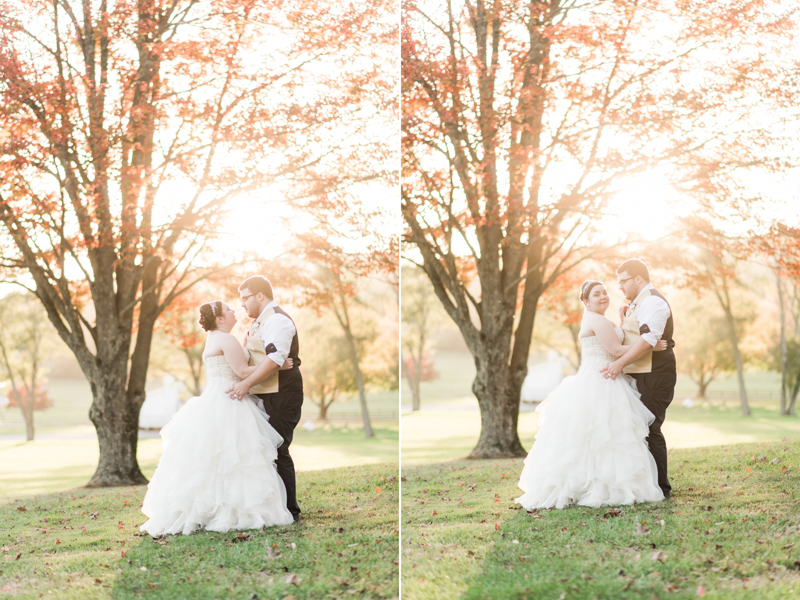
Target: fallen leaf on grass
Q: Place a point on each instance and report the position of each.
(614, 512)
(291, 579)
(775, 461)
(641, 530)
(22, 508)
(701, 591)
(658, 555)
(240, 537)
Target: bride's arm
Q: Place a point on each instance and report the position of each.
(606, 335)
(234, 354)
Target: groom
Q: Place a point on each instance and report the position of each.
(646, 320)
(272, 339)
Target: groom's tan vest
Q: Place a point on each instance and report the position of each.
(630, 326)
(258, 355)
(281, 381)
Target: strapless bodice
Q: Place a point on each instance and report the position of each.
(594, 353)
(217, 367)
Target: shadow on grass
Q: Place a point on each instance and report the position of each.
(86, 546)
(346, 544)
(46, 481)
(728, 533)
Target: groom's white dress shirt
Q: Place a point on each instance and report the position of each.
(279, 330)
(653, 312)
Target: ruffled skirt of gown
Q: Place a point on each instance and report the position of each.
(217, 469)
(590, 448)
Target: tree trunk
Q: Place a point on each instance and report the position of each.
(344, 321)
(116, 420)
(415, 398)
(27, 411)
(415, 392)
(793, 399)
(323, 411)
(740, 377)
(27, 415)
(702, 384)
(412, 376)
(195, 369)
(498, 394)
(784, 383)
(726, 307)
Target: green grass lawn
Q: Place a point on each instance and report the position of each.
(85, 544)
(730, 532)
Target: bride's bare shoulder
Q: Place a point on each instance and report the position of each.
(592, 322)
(587, 322)
(217, 342)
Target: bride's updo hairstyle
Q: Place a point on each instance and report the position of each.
(586, 288)
(208, 315)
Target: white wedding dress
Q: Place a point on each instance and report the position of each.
(590, 448)
(217, 469)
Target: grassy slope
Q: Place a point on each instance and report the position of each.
(85, 545)
(729, 533)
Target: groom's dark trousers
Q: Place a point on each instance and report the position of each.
(283, 409)
(657, 390)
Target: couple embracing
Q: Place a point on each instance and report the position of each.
(599, 440)
(225, 463)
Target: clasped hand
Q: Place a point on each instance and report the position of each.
(239, 391)
(611, 370)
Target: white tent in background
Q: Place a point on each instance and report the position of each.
(543, 378)
(160, 404)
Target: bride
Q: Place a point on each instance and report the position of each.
(590, 448)
(217, 470)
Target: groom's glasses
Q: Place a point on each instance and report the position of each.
(621, 281)
(243, 298)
